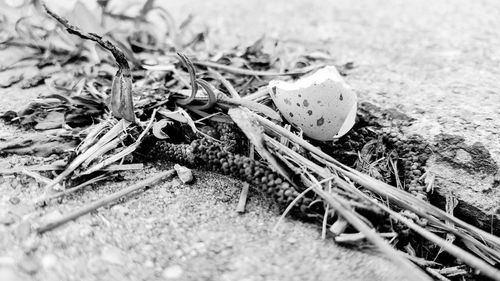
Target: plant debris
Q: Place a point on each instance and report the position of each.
(207, 108)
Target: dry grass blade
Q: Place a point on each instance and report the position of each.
(407, 201)
(246, 121)
(72, 189)
(243, 71)
(290, 206)
(347, 213)
(211, 95)
(91, 137)
(260, 94)
(104, 149)
(254, 106)
(110, 135)
(232, 91)
(131, 148)
(465, 256)
(192, 75)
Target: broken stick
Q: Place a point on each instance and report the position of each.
(105, 201)
(243, 198)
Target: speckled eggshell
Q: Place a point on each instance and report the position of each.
(321, 104)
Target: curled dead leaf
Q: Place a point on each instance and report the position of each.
(157, 129)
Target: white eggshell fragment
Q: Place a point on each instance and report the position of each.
(321, 104)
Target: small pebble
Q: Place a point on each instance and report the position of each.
(23, 230)
(7, 261)
(149, 264)
(29, 265)
(49, 261)
(9, 274)
(52, 216)
(120, 209)
(86, 231)
(14, 183)
(184, 174)
(113, 255)
(172, 272)
(31, 243)
(6, 218)
(176, 183)
(14, 200)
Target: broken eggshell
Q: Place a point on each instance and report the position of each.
(321, 104)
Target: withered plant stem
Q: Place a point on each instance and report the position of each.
(242, 71)
(73, 189)
(118, 54)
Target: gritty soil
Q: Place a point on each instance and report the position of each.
(433, 60)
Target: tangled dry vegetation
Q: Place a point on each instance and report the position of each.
(131, 93)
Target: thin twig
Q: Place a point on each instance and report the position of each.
(39, 178)
(243, 198)
(105, 201)
(65, 192)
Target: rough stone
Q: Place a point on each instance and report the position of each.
(10, 274)
(113, 255)
(184, 174)
(173, 272)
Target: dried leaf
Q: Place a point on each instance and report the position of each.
(157, 129)
(53, 120)
(121, 103)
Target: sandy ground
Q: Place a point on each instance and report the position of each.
(435, 60)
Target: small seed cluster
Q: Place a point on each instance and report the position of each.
(412, 153)
(346, 148)
(207, 153)
(233, 139)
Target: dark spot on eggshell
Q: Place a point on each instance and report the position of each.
(300, 95)
(274, 90)
(310, 112)
(305, 103)
(298, 104)
(341, 97)
(287, 101)
(320, 121)
(291, 114)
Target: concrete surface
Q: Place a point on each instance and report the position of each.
(437, 61)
